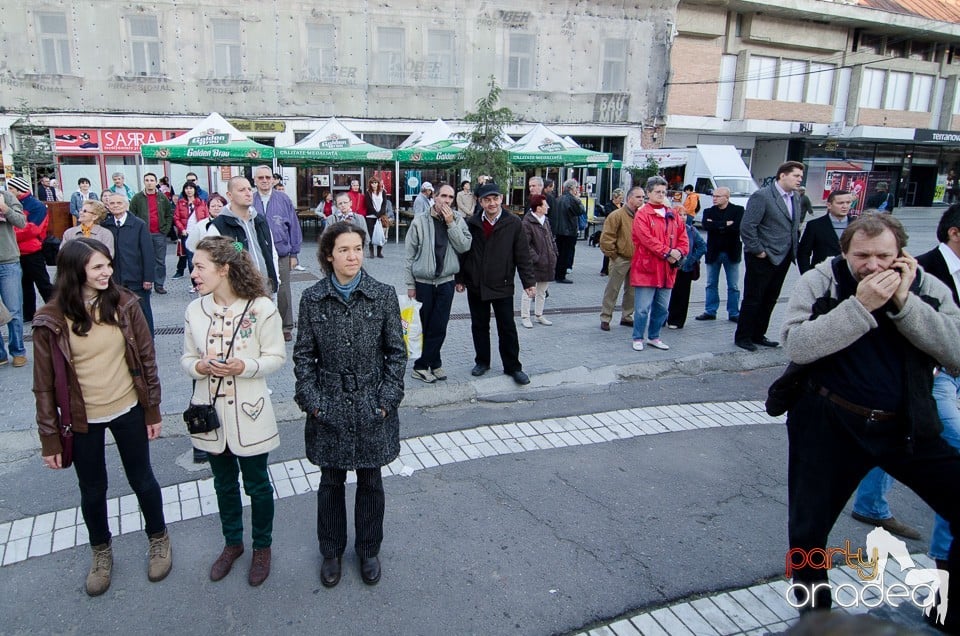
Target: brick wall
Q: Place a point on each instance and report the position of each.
(893, 118)
(788, 111)
(694, 60)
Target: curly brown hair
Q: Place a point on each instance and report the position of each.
(245, 279)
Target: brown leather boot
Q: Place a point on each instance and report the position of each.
(259, 567)
(221, 567)
(98, 579)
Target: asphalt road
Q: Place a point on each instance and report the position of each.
(540, 542)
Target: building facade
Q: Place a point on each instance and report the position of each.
(126, 71)
(861, 95)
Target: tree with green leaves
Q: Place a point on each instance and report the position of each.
(639, 175)
(484, 156)
(32, 153)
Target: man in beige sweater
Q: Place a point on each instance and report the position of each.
(616, 242)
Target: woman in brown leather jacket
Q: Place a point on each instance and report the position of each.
(95, 333)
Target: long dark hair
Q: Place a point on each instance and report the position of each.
(68, 289)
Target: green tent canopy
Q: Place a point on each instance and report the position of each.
(211, 142)
(435, 145)
(333, 144)
(543, 147)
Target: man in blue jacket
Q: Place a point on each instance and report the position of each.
(277, 208)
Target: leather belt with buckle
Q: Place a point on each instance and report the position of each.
(873, 415)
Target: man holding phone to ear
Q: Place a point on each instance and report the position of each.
(871, 326)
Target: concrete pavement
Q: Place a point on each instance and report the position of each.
(571, 358)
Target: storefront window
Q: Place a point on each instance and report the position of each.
(74, 167)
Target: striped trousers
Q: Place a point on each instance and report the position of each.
(367, 512)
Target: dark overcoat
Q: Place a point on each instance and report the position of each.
(543, 247)
(349, 361)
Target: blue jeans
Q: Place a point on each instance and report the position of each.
(946, 388)
(713, 286)
(650, 304)
(871, 499)
(11, 292)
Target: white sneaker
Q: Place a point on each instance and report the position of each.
(526, 323)
(300, 268)
(638, 345)
(658, 344)
(543, 321)
(424, 375)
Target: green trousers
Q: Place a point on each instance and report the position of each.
(226, 469)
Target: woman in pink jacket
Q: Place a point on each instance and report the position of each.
(660, 238)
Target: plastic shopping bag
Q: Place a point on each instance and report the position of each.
(378, 237)
(412, 328)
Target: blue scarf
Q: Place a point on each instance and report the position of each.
(346, 290)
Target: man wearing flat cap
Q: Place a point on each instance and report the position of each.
(498, 251)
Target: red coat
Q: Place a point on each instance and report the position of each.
(30, 237)
(654, 236)
(182, 214)
(358, 201)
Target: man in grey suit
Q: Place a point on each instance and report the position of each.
(770, 231)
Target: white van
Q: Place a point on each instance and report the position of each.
(706, 167)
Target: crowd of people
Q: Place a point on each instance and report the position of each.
(861, 297)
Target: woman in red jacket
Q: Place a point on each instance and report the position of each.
(357, 199)
(190, 210)
(660, 238)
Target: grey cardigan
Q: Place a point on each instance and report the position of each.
(421, 263)
(935, 332)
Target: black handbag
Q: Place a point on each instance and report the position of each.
(203, 418)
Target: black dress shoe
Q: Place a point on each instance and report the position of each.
(519, 377)
(626, 323)
(706, 316)
(734, 318)
(479, 370)
(745, 344)
(330, 572)
(370, 570)
(764, 342)
(565, 281)
(160, 290)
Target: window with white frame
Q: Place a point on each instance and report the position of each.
(614, 75)
(820, 83)
(761, 76)
(920, 93)
(871, 88)
(144, 44)
(227, 48)
(898, 91)
(956, 99)
(54, 43)
(388, 64)
(440, 69)
(790, 80)
(521, 60)
(321, 62)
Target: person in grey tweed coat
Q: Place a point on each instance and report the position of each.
(349, 361)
